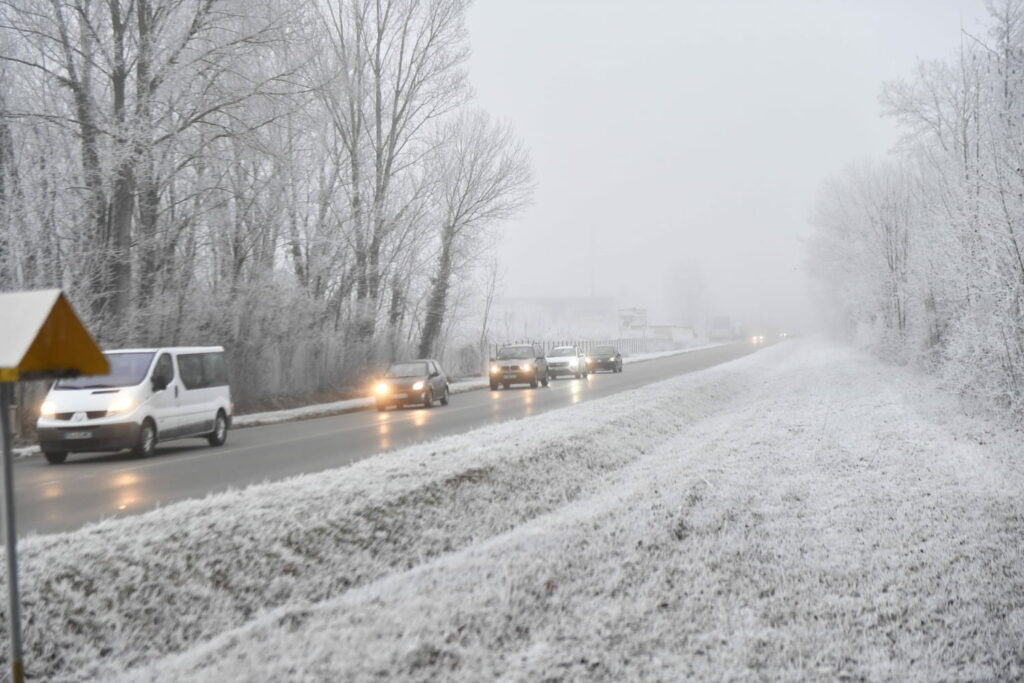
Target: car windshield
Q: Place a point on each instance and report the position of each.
(512, 352)
(126, 370)
(604, 351)
(407, 370)
(562, 351)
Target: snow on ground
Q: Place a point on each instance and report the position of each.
(800, 513)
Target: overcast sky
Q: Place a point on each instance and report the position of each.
(674, 137)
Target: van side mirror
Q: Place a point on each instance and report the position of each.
(159, 383)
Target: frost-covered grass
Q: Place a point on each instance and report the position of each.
(801, 513)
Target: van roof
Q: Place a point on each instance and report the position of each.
(174, 349)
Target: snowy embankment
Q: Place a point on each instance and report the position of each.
(800, 513)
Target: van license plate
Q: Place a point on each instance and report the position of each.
(77, 435)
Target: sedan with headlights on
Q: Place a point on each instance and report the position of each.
(604, 358)
(411, 381)
(566, 360)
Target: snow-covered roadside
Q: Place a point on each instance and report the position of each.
(123, 591)
(802, 513)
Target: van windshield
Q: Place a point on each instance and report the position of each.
(126, 370)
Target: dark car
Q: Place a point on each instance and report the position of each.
(411, 381)
(604, 358)
(519, 364)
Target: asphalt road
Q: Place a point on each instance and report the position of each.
(90, 487)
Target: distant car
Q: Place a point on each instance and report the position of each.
(412, 381)
(149, 396)
(604, 358)
(567, 360)
(757, 339)
(519, 364)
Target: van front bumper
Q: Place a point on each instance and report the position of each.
(108, 437)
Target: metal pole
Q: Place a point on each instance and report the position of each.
(11, 539)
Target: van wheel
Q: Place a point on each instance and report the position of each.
(147, 440)
(55, 457)
(220, 430)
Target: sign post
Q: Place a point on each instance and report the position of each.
(11, 539)
(43, 339)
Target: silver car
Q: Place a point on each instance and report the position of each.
(567, 360)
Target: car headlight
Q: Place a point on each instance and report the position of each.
(526, 367)
(122, 403)
(589, 359)
(495, 369)
(417, 386)
(48, 409)
(382, 388)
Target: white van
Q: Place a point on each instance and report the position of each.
(149, 395)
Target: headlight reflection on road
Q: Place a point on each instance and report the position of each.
(576, 389)
(419, 418)
(126, 494)
(52, 491)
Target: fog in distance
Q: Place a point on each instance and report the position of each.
(678, 146)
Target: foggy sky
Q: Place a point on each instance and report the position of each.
(676, 140)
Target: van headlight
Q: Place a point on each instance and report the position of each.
(121, 404)
(418, 386)
(48, 409)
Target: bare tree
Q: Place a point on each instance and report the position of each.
(483, 175)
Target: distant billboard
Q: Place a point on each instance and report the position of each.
(632, 318)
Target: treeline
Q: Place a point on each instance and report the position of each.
(304, 181)
(922, 256)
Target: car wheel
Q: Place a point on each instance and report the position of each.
(494, 386)
(577, 375)
(444, 396)
(55, 457)
(428, 398)
(533, 381)
(220, 430)
(505, 385)
(547, 379)
(147, 440)
(381, 406)
(399, 405)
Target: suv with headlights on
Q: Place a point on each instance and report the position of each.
(519, 364)
(567, 360)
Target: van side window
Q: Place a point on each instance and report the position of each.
(164, 368)
(215, 372)
(191, 368)
(202, 370)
